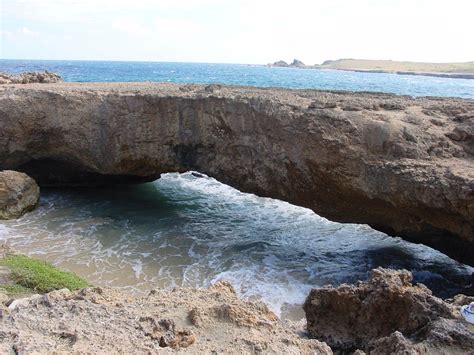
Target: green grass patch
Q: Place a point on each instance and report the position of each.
(14, 290)
(40, 276)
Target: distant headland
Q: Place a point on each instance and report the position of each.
(463, 70)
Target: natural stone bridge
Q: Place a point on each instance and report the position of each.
(405, 166)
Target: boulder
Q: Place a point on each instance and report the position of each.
(18, 194)
(386, 315)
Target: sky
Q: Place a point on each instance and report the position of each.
(237, 31)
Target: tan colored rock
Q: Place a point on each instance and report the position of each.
(18, 194)
(386, 315)
(45, 77)
(97, 320)
(402, 165)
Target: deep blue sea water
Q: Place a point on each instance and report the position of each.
(241, 74)
(188, 231)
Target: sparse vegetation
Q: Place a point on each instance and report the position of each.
(14, 290)
(33, 275)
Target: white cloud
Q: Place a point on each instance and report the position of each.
(130, 26)
(20, 34)
(170, 26)
(27, 32)
(245, 31)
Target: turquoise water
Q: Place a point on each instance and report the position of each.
(188, 231)
(254, 75)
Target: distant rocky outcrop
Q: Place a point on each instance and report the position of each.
(386, 315)
(298, 63)
(280, 63)
(18, 194)
(295, 64)
(30, 78)
(403, 165)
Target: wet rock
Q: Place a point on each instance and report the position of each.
(18, 194)
(386, 314)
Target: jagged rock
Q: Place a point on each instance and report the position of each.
(386, 315)
(18, 194)
(280, 63)
(351, 157)
(298, 64)
(110, 321)
(30, 78)
(295, 64)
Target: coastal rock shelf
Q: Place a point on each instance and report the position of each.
(405, 166)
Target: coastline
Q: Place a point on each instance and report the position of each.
(381, 71)
(216, 320)
(463, 70)
(438, 75)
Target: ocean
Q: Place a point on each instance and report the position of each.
(181, 230)
(241, 74)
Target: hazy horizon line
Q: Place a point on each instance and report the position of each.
(231, 63)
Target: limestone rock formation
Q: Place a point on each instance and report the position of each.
(386, 315)
(185, 321)
(18, 194)
(29, 78)
(403, 165)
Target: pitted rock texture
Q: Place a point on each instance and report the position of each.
(386, 315)
(18, 194)
(185, 321)
(45, 77)
(404, 166)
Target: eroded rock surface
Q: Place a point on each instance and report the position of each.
(405, 166)
(44, 77)
(191, 321)
(18, 194)
(386, 315)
